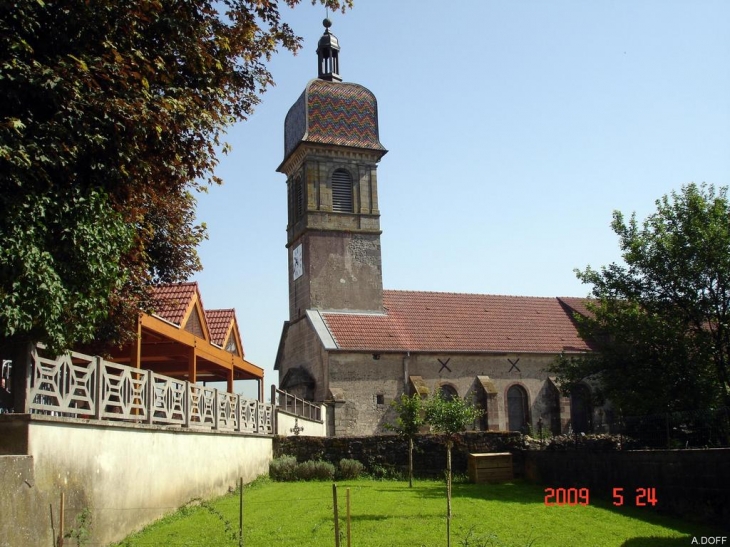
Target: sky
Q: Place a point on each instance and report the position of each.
(514, 129)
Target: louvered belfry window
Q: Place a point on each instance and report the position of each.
(298, 198)
(342, 191)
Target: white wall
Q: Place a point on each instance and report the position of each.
(130, 475)
(285, 422)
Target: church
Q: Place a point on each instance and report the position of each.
(356, 347)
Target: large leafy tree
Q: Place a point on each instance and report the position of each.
(111, 115)
(661, 321)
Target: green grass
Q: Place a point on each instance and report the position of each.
(389, 514)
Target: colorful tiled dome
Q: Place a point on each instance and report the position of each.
(342, 114)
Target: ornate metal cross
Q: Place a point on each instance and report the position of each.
(296, 429)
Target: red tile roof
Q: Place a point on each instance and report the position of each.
(172, 301)
(219, 322)
(450, 322)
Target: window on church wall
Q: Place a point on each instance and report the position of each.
(448, 393)
(581, 409)
(517, 409)
(342, 191)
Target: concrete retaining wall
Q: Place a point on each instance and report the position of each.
(127, 475)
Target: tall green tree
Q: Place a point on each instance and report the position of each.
(408, 422)
(660, 323)
(449, 417)
(112, 113)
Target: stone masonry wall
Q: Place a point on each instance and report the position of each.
(368, 385)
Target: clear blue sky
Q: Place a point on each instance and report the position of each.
(514, 130)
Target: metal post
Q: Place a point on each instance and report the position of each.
(274, 412)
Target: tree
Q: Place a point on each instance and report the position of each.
(450, 418)
(660, 323)
(111, 116)
(409, 420)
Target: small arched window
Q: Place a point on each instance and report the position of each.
(448, 393)
(517, 408)
(342, 191)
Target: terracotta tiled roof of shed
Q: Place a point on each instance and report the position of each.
(451, 322)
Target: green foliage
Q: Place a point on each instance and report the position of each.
(409, 419)
(111, 117)
(450, 417)
(283, 468)
(60, 261)
(81, 530)
(661, 322)
(349, 469)
(315, 470)
(286, 468)
(409, 415)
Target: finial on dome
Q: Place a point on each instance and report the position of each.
(328, 50)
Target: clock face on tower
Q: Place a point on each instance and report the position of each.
(297, 269)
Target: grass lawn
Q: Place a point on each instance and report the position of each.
(389, 514)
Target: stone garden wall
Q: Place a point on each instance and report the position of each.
(387, 455)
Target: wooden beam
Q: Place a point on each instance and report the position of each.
(204, 350)
(193, 366)
(135, 357)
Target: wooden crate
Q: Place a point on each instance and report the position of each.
(495, 467)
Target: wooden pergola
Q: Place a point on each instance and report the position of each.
(184, 341)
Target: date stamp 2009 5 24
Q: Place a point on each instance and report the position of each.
(640, 497)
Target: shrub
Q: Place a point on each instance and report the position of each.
(350, 469)
(315, 471)
(283, 469)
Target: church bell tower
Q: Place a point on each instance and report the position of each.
(331, 152)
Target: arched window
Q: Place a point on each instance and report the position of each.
(448, 393)
(342, 191)
(581, 409)
(517, 408)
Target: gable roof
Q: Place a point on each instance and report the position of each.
(184, 340)
(219, 324)
(173, 301)
(452, 322)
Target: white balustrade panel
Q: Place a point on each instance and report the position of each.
(78, 385)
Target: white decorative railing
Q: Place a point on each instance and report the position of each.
(80, 386)
(295, 405)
